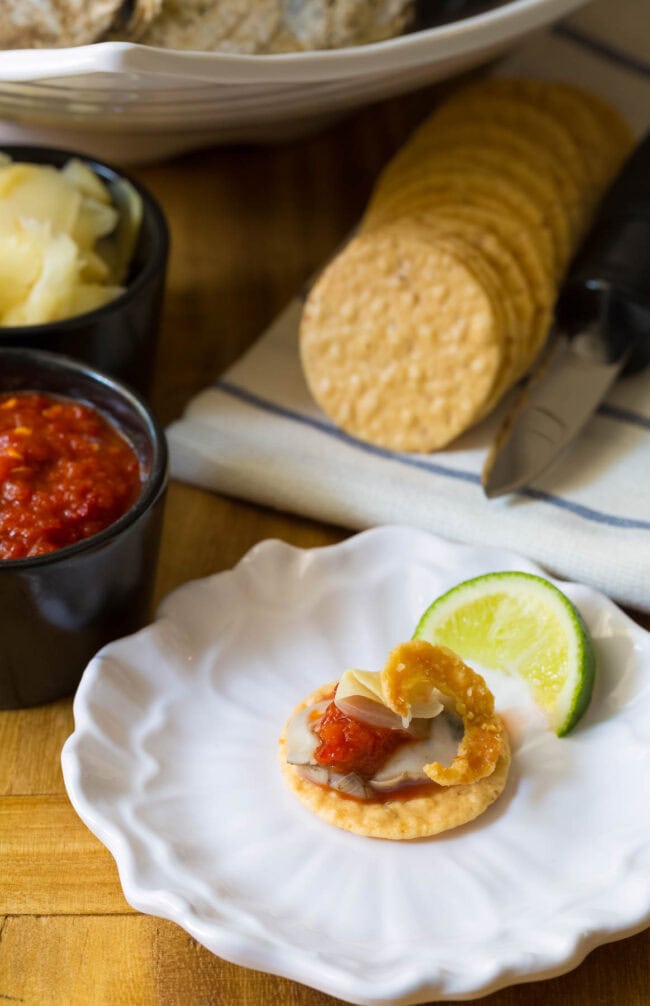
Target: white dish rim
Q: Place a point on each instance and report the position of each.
(491, 27)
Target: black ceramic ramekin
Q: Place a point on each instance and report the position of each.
(119, 338)
(58, 609)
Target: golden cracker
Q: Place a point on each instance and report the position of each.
(512, 235)
(532, 185)
(524, 287)
(471, 184)
(541, 293)
(492, 103)
(483, 200)
(498, 272)
(611, 122)
(514, 290)
(399, 819)
(451, 236)
(509, 231)
(471, 128)
(401, 344)
(604, 140)
(529, 160)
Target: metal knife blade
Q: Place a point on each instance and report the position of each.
(552, 408)
(603, 320)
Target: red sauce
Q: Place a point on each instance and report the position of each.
(65, 474)
(348, 745)
(413, 791)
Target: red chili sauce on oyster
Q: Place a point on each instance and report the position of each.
(65, 473)
(348, 745)
(360, 759)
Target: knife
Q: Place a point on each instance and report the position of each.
(601, 327)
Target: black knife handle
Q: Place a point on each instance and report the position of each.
(630, 190)
(608, 286)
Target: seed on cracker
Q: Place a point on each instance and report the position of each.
(401, 343)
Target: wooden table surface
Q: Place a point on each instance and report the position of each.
(248, 225)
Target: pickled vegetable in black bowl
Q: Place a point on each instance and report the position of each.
(120, 336)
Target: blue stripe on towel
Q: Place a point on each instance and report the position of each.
(324, 427)
(603, 49)
(584, 511)
(587, 513)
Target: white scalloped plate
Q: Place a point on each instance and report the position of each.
(173, 766)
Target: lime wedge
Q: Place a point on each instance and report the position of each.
(522, 625)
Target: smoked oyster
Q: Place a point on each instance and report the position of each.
(446, 763)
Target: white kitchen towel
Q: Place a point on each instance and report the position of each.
(257, 434)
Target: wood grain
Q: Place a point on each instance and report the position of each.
(129, 960)
(50, 863)
(123, 961)
(248, 226)
(30, 742)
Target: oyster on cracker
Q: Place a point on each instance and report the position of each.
(408, 752)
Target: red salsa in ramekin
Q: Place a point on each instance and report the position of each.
(66, 473)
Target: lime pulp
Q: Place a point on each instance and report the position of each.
(519, 624)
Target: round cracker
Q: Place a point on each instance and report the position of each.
(521, 315)
(533, 186)
(401, 344)
(498, 271)
(523, 287)
(419, 816)
(448, 236)
(494, 101)
(485, 133)
(512, 232)
(602, 136)
(471, 184)
(611, 121)
(519, 158)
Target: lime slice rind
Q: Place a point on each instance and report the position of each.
(520, 624)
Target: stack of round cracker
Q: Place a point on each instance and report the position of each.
(445, 297)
